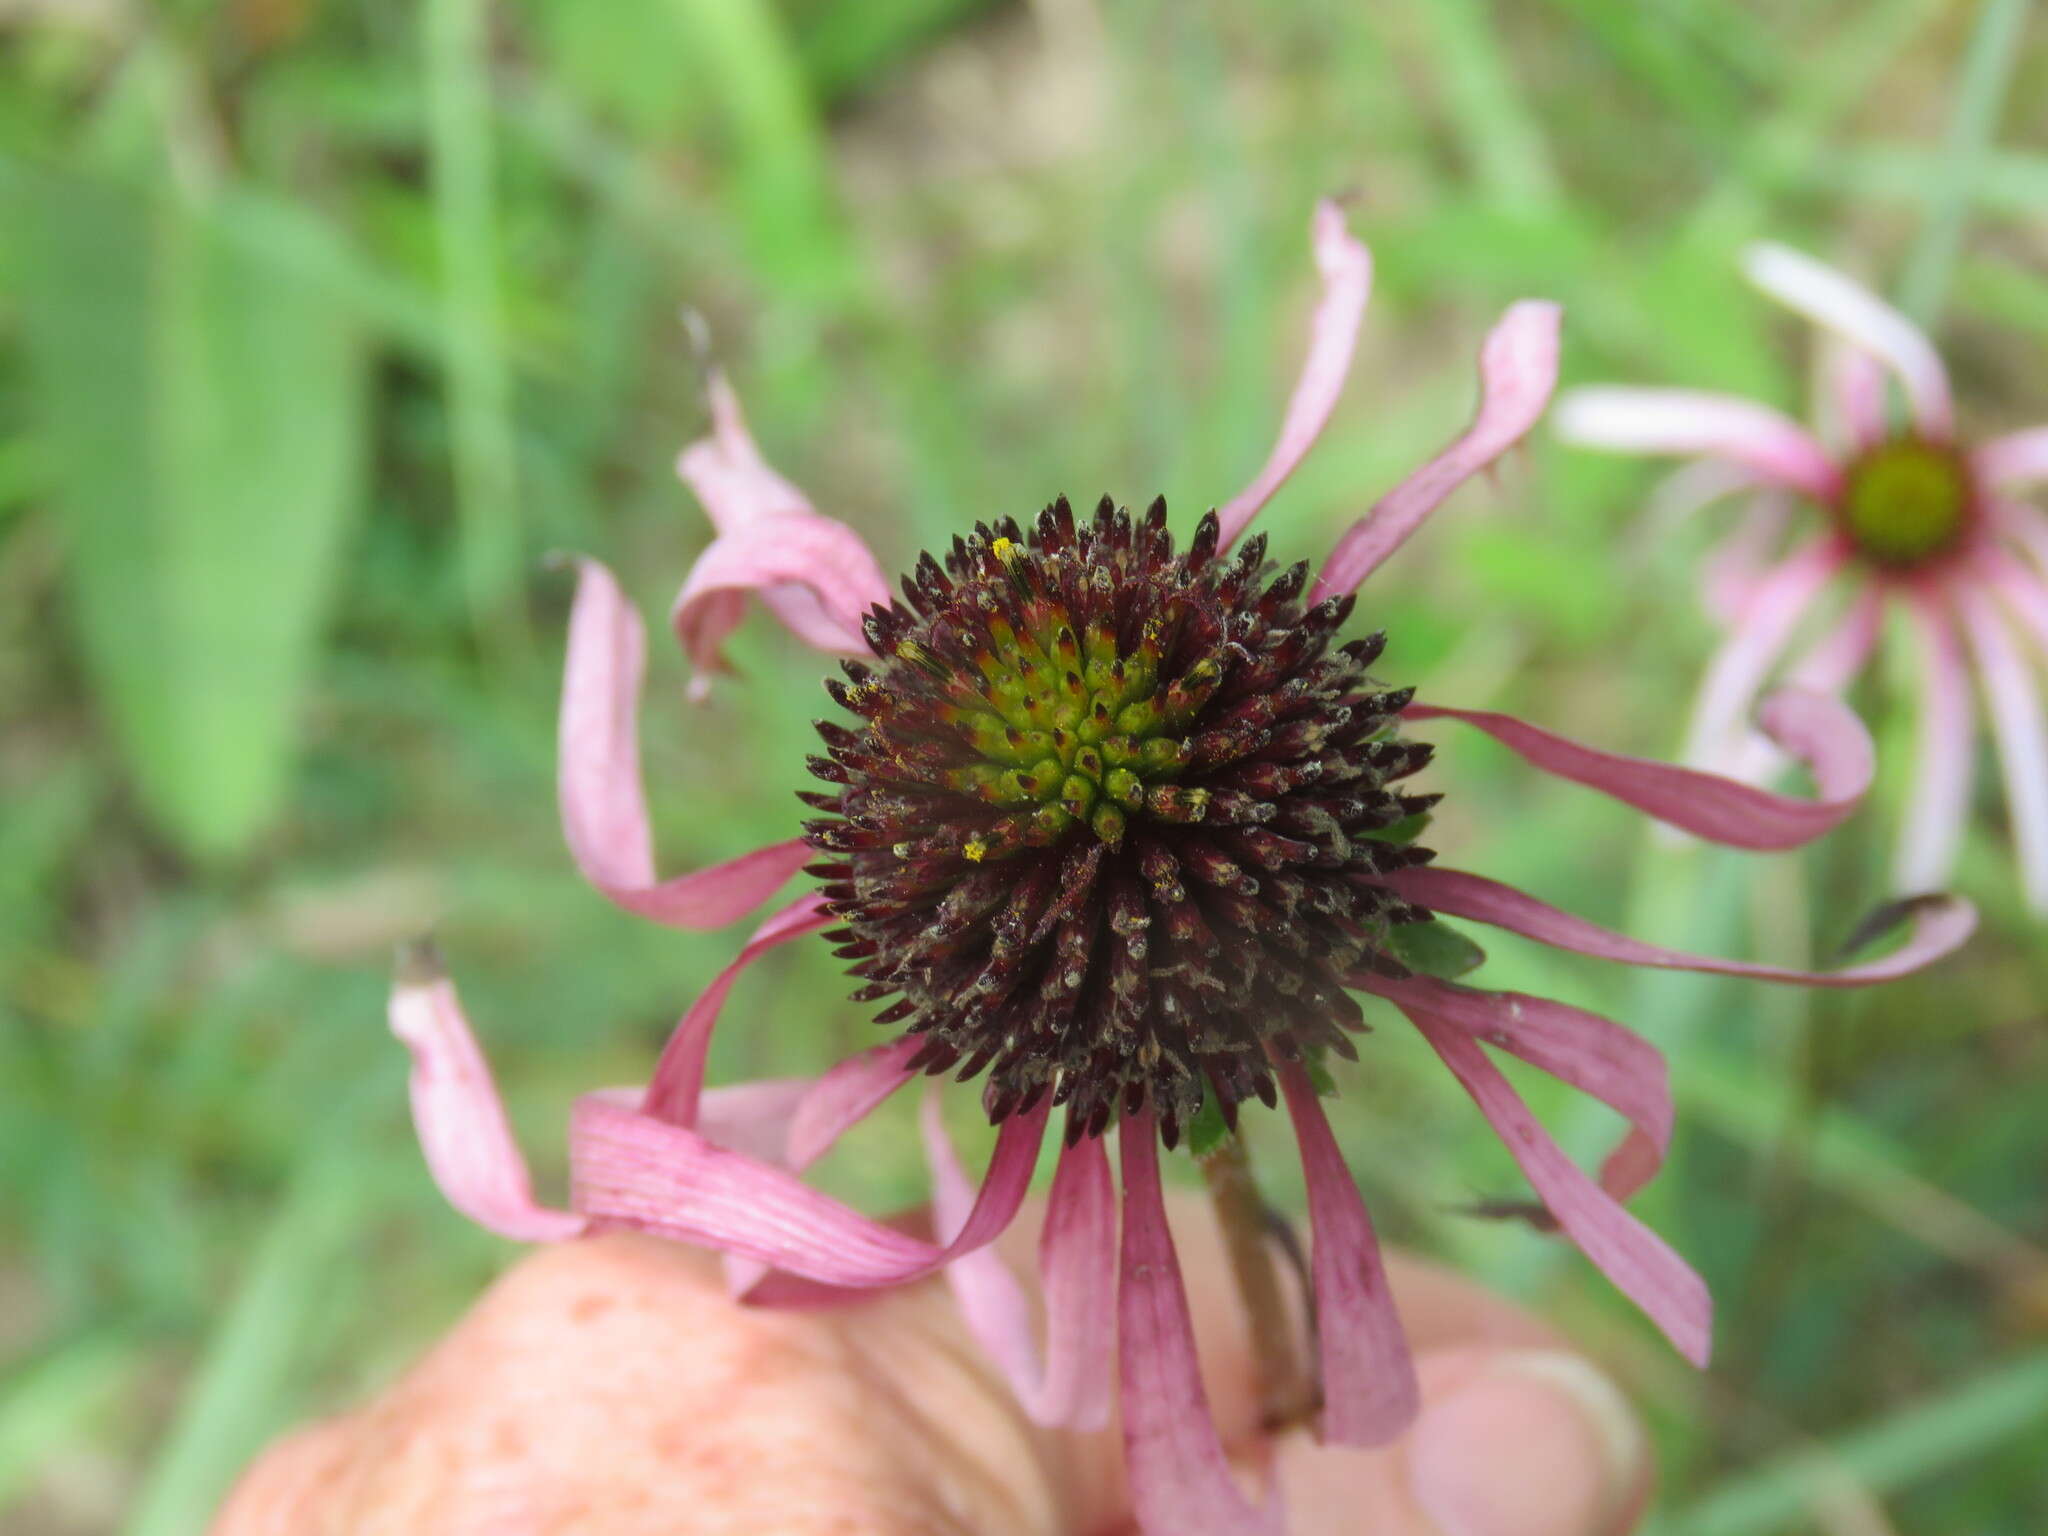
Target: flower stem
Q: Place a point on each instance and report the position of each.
(1287, 1392)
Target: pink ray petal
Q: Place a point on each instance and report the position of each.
(1180, 1479)
(1611, 1062)
(1945, 759)
(1517, 371)
(813, 572)
(1820, 731)
(847, 1095)
(1077, 1267)
(2018, 458)
(1346, 269)
(1846, 307)
(2028, 528)
(1940, 924)
(632, 1170)
(1689, 421)
(1638, 1261)
(458, 1115)
(1761, 632)
(1741, 562)
(2012, 691)
(604, 808)
(679, 1075)
(2025, 594)
(1852, 394)
(1834, 661)
(1370, 1393)
(1692, 488)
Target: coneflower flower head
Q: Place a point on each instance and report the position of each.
(1115, 826)
(1911, 515)
(1118, 826)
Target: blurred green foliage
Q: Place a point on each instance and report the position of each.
(321, 323)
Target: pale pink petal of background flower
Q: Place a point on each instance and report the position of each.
(1846, 307)
(1819, 731)
(1180, 1479)
(1851, 396)
(1640, 1263)
(1370, 1393)
(1692, 421)
(604, 807)
(1517, 371)
(1346, 269)
(1761, 633)
(1939, 926)
(847, 1094)
(2013, 690)
(1939, 806)
(2018, 458)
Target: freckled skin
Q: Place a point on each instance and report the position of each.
(608, 1387)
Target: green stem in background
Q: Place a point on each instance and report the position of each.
(1287, 1394)
(1987, 71)
(473, 333)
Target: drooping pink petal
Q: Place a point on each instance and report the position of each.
(1370, 1393)
(604, 809)
(2018, 458)
(1852, 396)
(1611, 1062)
(1818, 730)
(1638, 1261)
(632, 1170)
(1846, 307)
(1940, 924)
(1345, 266)
(1517, 371)
(1690, 421)
(1761, 632)
(679, 1075)
(2011, 689)
(846, 1095)
(752, 1117)
(1947, 754)
(1077, 1268)
(813, 572)
(1180, 1478)
(458, 1115)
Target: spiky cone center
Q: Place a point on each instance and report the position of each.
(1906, 501)
(1112, 821)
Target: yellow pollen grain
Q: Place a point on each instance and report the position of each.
(976, 850)
(1004, 550)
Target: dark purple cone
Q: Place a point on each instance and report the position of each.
(1107, 827)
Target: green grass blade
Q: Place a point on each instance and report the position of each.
(1502, 138)
(460, 152)
(1917, 1442)
(244, 1386)
(1987, 71)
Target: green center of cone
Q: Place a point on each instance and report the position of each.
(1905, 502)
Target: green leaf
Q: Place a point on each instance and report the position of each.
(1406, 830)
(202, 415)
(1435, 949)
(1206, 1131)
